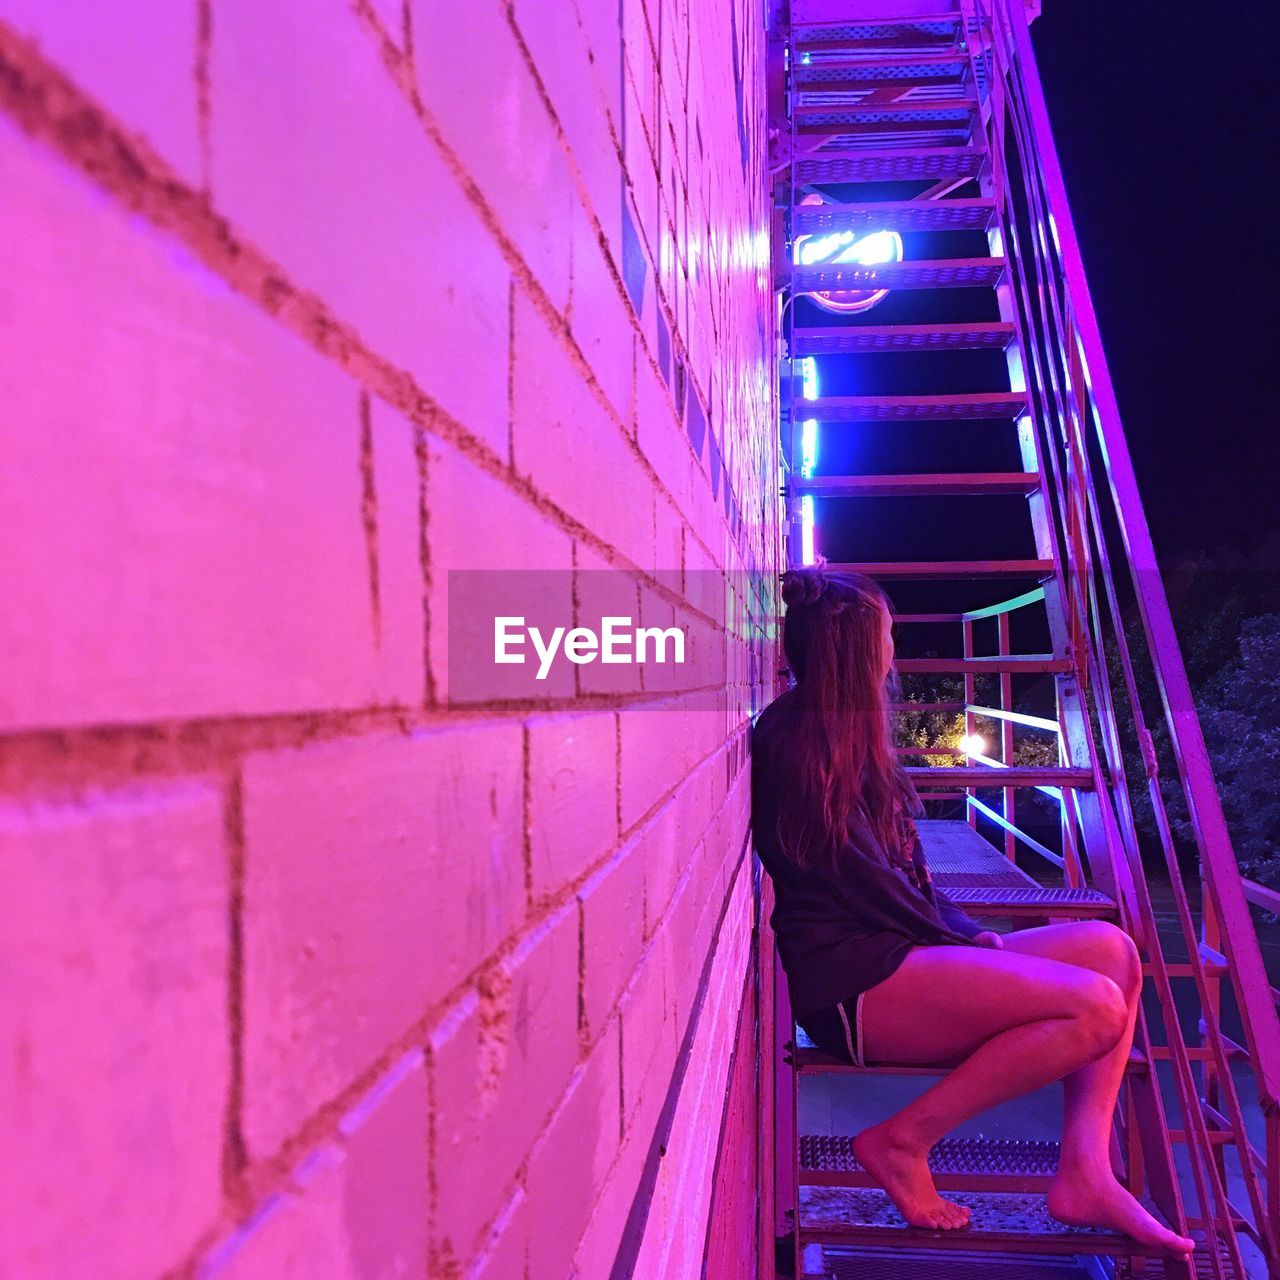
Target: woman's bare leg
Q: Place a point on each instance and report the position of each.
(1086, 1191)
(1014, 1021)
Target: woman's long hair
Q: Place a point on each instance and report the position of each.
(833, 638)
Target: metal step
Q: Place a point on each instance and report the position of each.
(871, 33)
(854, 339)
(905, 1262)
(961, 1164)
(944, 484)
(1002, 900)
(808, 1060)
(893, 165)
(1000, 1220)
(934, 273)
(1014, 776)
(945, 569)
(849, 88)
(809, 117)
(834, 139)
(876, 66)
(894, 215)
(986, 404)
(872, 67)
(957, 854)
(1026, 663)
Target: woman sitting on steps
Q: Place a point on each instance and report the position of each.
(882, 968)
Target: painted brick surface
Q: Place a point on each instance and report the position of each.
(161, 432)
(501, 1059)
(113, 955)
(332, 963)
(572, 797)
(321, 163)
(353, 1209)
(349, 846)
(586, 1123)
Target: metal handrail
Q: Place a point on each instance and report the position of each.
(1073, 396)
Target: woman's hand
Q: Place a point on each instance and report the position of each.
(988, 939)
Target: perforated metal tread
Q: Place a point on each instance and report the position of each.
(920, 1264)
(1005, 1220)
(955, 107)
(942, 273)
(959, 855)
(836, 339)
(943, 483)
(900, 32)
(894, 166)
(984, 776)
(939, 408)
(1015, 662)
(896, 215)
(808, 1059)
(943, 569)
(974, 1164)
(876, 66)
(997, 900)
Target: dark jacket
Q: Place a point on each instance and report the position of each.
(840, 930)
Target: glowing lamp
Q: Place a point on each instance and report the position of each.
(973, 744)
(808, 447)
(838, 248)
(806, 529)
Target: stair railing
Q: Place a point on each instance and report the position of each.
(1100, 524)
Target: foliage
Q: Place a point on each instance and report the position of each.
(1227, 616)
(1240, 715)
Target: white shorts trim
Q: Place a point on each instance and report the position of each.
(853, 1036)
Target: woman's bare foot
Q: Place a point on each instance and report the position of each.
(1101, 1201)
(903, 1171)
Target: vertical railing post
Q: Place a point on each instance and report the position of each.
(1187, 740)
(970, 697)
(1006, 731)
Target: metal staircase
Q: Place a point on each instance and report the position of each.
(949, 428)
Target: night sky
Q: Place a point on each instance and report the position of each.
(1169, 137)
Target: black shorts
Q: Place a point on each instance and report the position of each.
(837, 1030)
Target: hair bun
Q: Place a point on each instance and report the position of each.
(803, 586)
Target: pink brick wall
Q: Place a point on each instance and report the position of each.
(309, 973)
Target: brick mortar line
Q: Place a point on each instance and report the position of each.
(204, 102)
(234, 1153)
(369, 513)
(62, 760)
(53, 110)
(421, 452)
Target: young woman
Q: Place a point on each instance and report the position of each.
(882, 968)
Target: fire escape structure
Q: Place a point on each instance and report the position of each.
(943, 371)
